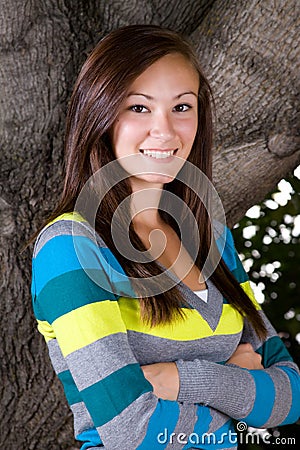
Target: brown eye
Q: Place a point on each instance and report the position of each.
(138, 108)
(182, 107)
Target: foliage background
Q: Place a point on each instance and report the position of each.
(268, 239)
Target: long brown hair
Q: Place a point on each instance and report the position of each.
(101, 87)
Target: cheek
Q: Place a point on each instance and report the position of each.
(128, 130)
(188, 130)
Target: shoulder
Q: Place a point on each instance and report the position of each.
(66, 252)
(66, 229)
(70, 245)
(68, 242)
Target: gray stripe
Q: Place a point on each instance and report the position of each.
(96, 361)
(184, 427)
(82, 418)
(228, 448)
(66, 227)
(283, 396)
(130, 426)
(270, 329)
(152, 349)
(56, 357)
(290, 364)
(249, 334)
(218, 420)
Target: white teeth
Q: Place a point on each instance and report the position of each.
(157, 154)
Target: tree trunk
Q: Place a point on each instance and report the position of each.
(249, 50)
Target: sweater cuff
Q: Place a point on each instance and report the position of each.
(224, 387)
(192, 382)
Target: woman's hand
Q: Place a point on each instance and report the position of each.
(246, 357)
(164, 379)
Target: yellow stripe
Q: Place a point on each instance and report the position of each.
(92, 322)
(193, 326)
(46, 330)
(87, 324)
(75, 216)
(247, 288)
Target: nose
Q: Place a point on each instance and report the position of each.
(162, 127)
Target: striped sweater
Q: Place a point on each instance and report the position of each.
(97, 343)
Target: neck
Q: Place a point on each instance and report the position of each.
(144, 206)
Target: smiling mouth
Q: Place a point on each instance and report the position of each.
(158, 154)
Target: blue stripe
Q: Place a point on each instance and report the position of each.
(59, 256)
(112, 260)
(70, 388)
(204, 418)
(264, 399)
(229, 251)
(69, 253)
(69, 292)
(223, 437)
(226, 437)
(90, 438)
(113, 393)
(239, 272)
(161, 424)
(294, 378)
(117, 276)
(273, 351)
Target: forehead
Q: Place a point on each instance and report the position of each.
(172, 71)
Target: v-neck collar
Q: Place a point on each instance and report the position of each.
(211, 310)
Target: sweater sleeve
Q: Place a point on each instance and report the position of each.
(74, 304)
(261, 398)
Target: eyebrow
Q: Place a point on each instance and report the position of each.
(148, 97)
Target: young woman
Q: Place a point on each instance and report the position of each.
(150, 364)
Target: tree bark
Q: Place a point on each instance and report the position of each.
(250, 51)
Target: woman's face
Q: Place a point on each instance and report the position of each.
(157, 122)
